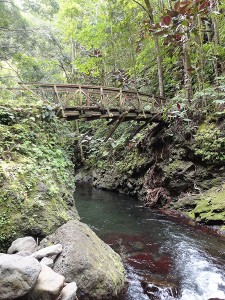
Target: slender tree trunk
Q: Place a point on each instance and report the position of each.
(160, 69)
(201, 55)
(187, 72)
(159, 57)
(149, 10)
(216, 38)
(134, 60)
(65, 71)
(73, 57)
(103, 75)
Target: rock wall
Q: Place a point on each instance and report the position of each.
(36, 172)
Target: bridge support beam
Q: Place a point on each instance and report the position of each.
(113, 129)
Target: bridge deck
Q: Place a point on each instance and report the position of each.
(91, 102)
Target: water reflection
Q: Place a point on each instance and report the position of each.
(157, 249)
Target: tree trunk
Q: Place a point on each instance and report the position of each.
(73, 57)
(159, 57)
(216, 37)
(160, 69)
(187, 72)
(149, 10)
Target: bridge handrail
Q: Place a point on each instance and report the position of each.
(96, 96)
(94, 87)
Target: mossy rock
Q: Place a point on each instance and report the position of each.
(96, 268)
(36, 211)
(177, 166)
(210, 207)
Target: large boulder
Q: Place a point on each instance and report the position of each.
(18, 275)
(93, 265)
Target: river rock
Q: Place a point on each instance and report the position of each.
(48, 251)
(18, 275)
(26, 245)
(48, 286)
(93, 265)
(47, 261)
(69, 292)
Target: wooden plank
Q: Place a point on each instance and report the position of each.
(80, 95)
(102, 97)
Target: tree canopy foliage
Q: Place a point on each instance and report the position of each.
(162, 47)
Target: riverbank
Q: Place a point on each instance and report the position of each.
(178, 166)
(166, 252)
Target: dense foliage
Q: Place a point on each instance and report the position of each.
(115, 43)
(36, 170)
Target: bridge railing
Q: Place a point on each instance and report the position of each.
(89, 96)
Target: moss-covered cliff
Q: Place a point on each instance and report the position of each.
(164, 163)
(36, 172)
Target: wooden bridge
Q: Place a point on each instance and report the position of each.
(91, 102)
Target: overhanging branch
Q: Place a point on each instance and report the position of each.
(141, 5)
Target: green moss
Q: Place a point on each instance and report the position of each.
(129, 162)
(209, 143)
(176, 166)
(36, 173)
(210, 207)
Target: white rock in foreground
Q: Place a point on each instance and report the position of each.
(48, 251)
(47, 262)
(49, 285)
(69, 292)
(26, 244)
(18, 275)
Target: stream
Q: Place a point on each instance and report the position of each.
(165, 256)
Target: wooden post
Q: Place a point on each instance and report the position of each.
(119, 120)
(121, 99)
(80, 95)
(153, 104)
(56, 94)
(102, 97)
(139, 102)
(88, 99)
(60, 105)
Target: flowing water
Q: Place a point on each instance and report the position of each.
(165, 257)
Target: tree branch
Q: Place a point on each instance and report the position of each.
(142, 6)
